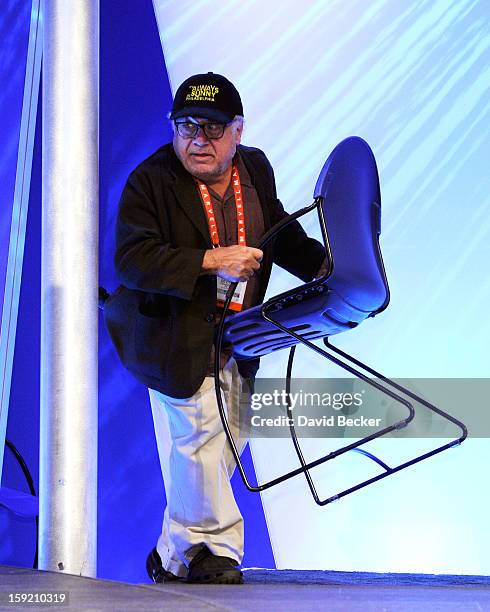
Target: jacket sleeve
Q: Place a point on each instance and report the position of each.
(145, 259)
(293, 249)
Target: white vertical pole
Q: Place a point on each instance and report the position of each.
(68, 455)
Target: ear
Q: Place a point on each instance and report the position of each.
(238, 133)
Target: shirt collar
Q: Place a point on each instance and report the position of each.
(245, 180)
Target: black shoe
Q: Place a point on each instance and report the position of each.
(155, 569)
(212, 569)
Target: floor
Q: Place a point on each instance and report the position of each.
(264, 589)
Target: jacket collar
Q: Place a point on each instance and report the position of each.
(245, 178)
(187, 196)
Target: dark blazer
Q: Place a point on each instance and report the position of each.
(162, 318)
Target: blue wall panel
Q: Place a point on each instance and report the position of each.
(135, 98)
(14, 36)
(17, 536)
(134, 93)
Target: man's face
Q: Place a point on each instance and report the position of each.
(208, 159)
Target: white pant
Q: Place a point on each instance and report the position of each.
(197, 464)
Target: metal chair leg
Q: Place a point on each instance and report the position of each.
(388, 470)
(305, 466)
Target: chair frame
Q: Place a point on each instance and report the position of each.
(347, 362)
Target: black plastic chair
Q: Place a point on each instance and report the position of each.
(348, 203)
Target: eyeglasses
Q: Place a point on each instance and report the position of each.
(188, 129)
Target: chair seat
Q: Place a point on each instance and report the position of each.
(312, 311)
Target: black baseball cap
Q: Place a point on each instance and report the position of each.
(210, 95)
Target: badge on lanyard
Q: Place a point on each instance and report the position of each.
(222, 284)
(236, 303)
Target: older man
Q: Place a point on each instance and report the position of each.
(190, 219)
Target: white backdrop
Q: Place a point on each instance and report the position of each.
(412, 78)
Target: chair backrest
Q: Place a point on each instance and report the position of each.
(349, 186)
(348, 196)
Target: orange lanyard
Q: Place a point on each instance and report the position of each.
(240, 213)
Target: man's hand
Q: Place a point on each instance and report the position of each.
(233, 263)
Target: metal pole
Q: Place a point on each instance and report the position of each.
(68, 455)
